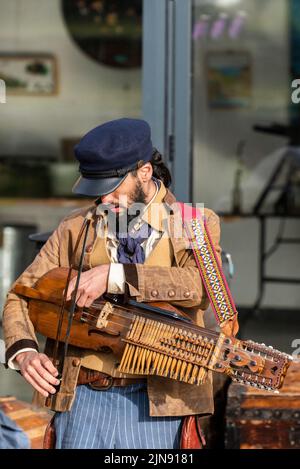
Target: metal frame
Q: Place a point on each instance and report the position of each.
(154, 69)
(265, 253)
(167, 52)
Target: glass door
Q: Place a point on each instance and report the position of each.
(241, 87)
(213, 72)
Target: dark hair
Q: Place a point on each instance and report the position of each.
(160, 170)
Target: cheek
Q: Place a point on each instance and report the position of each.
(124, 193)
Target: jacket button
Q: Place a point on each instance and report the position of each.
(171, 293)
(187, 294)
(154, 293)
(76, 362)
(89, 248)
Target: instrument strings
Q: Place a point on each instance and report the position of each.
(129, 315)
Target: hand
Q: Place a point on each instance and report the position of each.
(231, 327)
(39, 371)
(92, 284)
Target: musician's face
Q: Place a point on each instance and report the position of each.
(134, 189)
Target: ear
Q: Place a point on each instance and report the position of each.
(145, 172)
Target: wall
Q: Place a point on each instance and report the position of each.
(217, 133)
(89, 93)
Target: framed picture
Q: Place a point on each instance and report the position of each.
(229, 79)
(29, 74)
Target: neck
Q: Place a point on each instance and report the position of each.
(151, 191)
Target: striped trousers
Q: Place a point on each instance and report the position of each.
(115, 419)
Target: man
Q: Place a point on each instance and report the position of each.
(140, 256)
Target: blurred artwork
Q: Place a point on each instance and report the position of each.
(229, 79)
(28, 74)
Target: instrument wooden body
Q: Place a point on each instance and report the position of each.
(149, 343)
(86, 331)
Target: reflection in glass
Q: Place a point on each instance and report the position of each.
(109, 31)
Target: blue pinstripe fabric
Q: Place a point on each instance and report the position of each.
(115, 419)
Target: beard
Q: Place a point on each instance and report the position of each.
(127, 218)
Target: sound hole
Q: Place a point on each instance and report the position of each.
(274, 369)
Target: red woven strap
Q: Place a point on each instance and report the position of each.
(192, 436)
(208, 263)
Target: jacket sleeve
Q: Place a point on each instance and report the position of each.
(180, 285)
(18, 329)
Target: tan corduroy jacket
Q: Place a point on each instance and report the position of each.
(169, 274)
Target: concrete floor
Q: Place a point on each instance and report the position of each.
(281, 329)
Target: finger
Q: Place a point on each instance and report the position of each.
(45, 374)
(80, 292)
(35, 385)
(40, 380)
(89, 301)
(69, 294)
(81, 302)
(70, 289)
(88, 287)
(47, 363)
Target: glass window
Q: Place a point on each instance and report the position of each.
(241, 83)
(68, 66)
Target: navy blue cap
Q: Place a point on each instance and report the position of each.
(109, 152)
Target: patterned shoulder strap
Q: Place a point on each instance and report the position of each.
(208, 263)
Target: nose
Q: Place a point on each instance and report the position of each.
(107, 199)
